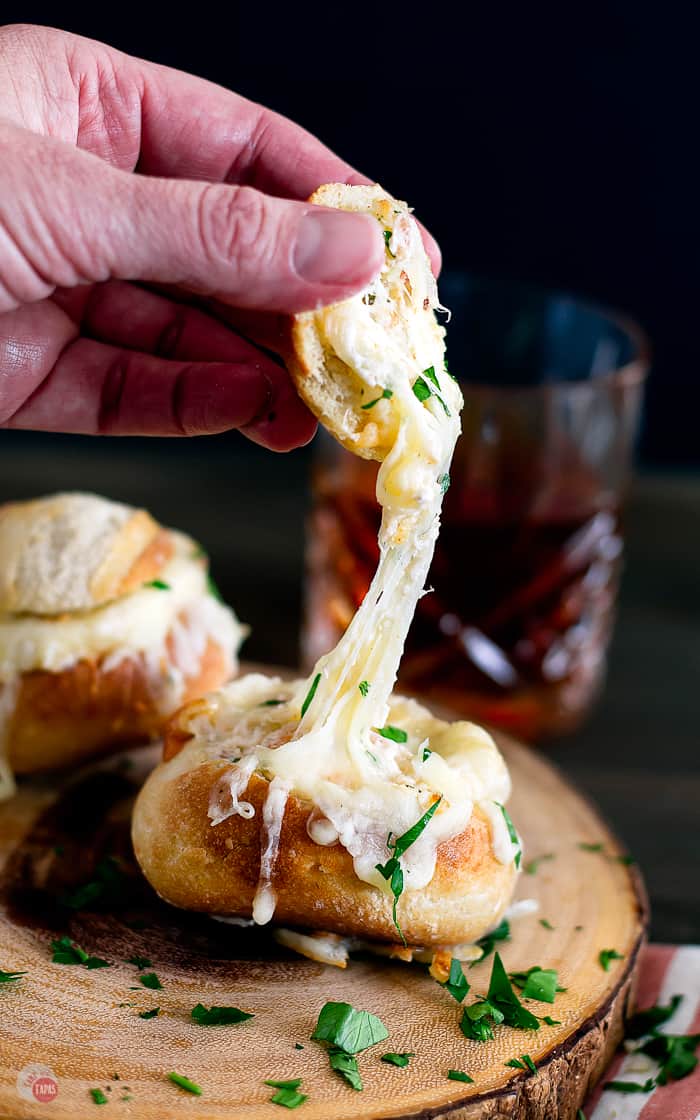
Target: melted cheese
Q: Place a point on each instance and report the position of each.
(167, 628)
(363, 785)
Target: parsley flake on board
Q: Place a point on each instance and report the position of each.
(459, 1075)
(9, 977)
(150, 980)
(292, 1083)
(363, 687)
(532, 866)
(218, 1016)
(343, 1026)
(98, 1096)
(288, 1098)
(106, 886)
(537, 983)
(140, 962)
(487, 943)
(158, 585)
(514, 838)
(523, 1062)
(396, 734)
(401, 1060)
(502, 996)
(605, 956)
(149, 1014)
(392, 870)
(590, 847)
(479, 1019)
(550, 1021)
(185, 1083)
(545, 924)
(310, 695)
(456, 984)
(385, 395)
(346, 1065)
(66, 951)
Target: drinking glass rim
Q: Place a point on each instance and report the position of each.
(634, 372)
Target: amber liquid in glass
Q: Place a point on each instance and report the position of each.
(524, 578)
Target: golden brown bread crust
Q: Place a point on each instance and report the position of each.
(215, 869)
(60, 719)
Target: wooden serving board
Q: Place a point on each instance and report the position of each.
(84, 1025)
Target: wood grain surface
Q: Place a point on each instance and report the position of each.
(84, 1024)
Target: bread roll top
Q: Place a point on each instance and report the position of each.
(75, 552)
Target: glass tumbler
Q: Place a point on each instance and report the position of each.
(516, 627)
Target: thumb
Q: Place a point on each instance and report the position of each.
(72, 218)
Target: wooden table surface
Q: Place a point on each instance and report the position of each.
(638, 755)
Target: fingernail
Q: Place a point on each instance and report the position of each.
(334, 247)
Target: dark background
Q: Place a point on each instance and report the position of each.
(550, 147)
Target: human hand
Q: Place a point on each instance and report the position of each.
(117, 174)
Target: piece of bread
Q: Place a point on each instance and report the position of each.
(73, 552)
(215, 869)
(108, 624)
(404, 295)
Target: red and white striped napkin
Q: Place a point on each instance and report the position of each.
(666, 971)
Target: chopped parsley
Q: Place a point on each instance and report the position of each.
(532, 866)
(363, 687)
(421, 389)
(515, 839)
(9, 977)
(150, 980)
(140, 962)
(149, 1014)
(346, 1065)
(626, 861)
(631, 1086)
(459, 1075)
(401, 1060)
(310, 695)
(675, 1054)
(385, 395)
(341, 1025)
(426, 753)
(107, 885)
(392, 870)
(369, 298)
(432, 376)
(292, 1083)
(591, 847)
(605, 956)
(298, 1046)
(647, 1021)
(213, 589)
(456, 984)
(158, 585)
(502, 997)
(218, 1016)
(185, 1083)
(523, 1062)
(487, 943)
(545, 924)
(288, 1098)
(537, 983)
(271, 703)
(396, 734)
(550, 1021)
(66, 951)
(479, 1019)
(387, 238)
(580, 1115)
(444, 482)
(98, 1096)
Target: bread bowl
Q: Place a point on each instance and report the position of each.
(107, 625)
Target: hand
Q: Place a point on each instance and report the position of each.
(117, 174)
